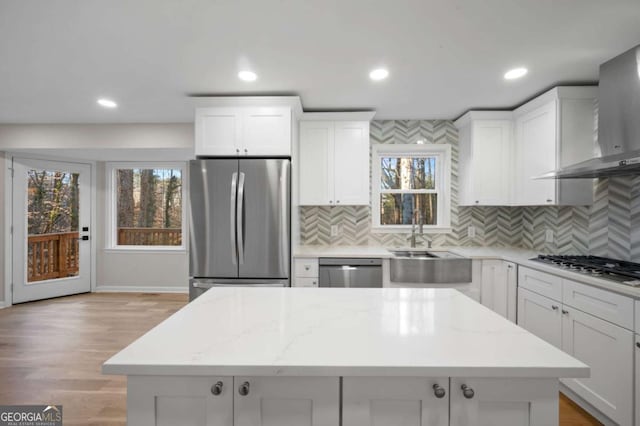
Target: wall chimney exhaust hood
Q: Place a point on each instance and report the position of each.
(618, 122)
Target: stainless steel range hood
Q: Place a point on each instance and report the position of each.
(618, 122)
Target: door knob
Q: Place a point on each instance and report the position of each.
(217, 388)
(439, 391)
(244, 389)
(467, 391)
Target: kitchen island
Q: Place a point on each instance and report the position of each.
(355, 357)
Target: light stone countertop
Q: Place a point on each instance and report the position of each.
(511, 254)
(340, 332)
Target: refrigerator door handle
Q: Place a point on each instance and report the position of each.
(240, 219)
(234, 225)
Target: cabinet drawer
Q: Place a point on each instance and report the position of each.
(305, 282)
(306, 267)
(540, 282)
(603, 304)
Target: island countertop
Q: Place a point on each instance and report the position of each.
(340, 332)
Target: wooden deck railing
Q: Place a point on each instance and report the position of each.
(52, 256)
(149, 236)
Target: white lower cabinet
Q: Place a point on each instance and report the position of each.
(637, 392)
(373, 401)
(608, 350)
(541, 316)
(233, 401)
(286, 401)
(185, 401)
(503, 402)
(595, 337)
(499, 287)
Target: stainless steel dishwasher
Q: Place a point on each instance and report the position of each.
(345, 272)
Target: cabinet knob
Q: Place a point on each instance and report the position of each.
(554, 307)
(244, 389)
(439, 391)
(307, 267)
(477, 201)
(217, 388)
(565, 312)
(638, 344)
(467, 391)
(245, 151)
(338, 202)
(330, 201)
(237, 150)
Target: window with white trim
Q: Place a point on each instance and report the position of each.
(410, 180)
(147, 208)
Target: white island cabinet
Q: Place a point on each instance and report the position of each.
(350, 357)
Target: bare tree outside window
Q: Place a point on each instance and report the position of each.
(149, 207)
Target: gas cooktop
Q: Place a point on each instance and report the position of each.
(620, 271)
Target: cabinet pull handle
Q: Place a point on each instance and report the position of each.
(554, 307)
(638, 344)
(565, 312)
(439, 391)
(217, 388)
(244, 389)
(467, 391)
(549, 200)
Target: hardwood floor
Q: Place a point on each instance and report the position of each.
(52, 351)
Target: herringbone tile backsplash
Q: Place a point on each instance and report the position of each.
(610, 227)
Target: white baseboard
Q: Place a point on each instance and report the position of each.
(140, 289)
(3, 305)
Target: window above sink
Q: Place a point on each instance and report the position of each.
(411, 178)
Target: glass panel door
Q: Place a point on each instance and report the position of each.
(51, 216)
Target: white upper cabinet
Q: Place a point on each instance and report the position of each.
(243, 131)
(334, 163)
(502, 152)
(485, 157)
(554, 130)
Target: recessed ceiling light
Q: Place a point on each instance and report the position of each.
(247, 76)
(515, 73)
(107, 103)
(378, 74)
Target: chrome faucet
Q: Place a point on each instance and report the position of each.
(413, 226)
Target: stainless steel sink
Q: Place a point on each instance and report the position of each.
(429, 267)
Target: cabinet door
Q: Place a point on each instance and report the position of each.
(637, 385)
(491, 162)
(266, 131)
(185, 401)
(286, 401)
(373, 401)
(536, 155)
(494, 294)
(608, 350)
(218, 131)
(512, 291)
(351, 159)
(541, 316)
(504, 402)
(316, 169)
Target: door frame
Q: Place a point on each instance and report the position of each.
(8, 218)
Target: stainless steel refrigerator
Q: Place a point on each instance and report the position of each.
(240, 223)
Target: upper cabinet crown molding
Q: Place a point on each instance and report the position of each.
(248, 129)
(292, 102)
(338, 116)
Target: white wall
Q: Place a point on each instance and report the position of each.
(3, 167)
(115, 271)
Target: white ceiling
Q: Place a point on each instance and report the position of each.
(444, 56)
